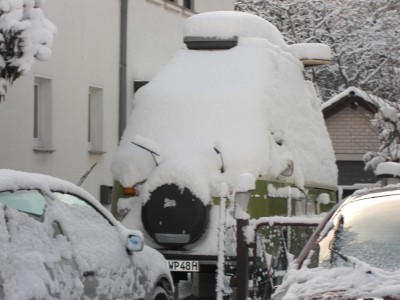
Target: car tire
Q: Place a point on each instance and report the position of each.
(160, 293)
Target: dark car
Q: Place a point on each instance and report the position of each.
(58, 242)
(353, 254)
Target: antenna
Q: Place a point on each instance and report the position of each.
(86, 174)
(222, 159)
(152, 153)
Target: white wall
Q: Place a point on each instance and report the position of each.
(86, 53)
(213, 5)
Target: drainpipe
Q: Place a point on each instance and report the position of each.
(122, 67)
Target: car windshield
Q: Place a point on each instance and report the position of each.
(28, 201)
(367, 230)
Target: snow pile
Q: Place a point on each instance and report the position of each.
(306, 220)
(339, 283)
(245, 182)
(323, 198)
(284, 192)
(252, 101)
(388, 168)
(310, 50)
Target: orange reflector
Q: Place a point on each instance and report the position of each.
(129, 191)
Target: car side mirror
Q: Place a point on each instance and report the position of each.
(134, 243)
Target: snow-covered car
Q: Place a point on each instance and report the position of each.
(354, 252)
(58, 242)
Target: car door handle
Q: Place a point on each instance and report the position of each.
(88, 273)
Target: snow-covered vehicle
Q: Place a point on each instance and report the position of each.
(58, 242)
(353, 254)
(231, 107)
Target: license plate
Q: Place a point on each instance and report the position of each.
(184, 265)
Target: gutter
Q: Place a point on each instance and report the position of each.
(122, 68)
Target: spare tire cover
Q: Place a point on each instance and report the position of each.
(174, 217)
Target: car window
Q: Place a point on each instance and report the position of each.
(28, 201)
(96, 240)
(366, 230)
(32, 254)
(70, 199)
(282, 243)
(98, 246)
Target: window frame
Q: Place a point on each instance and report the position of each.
(188, 4)
(42, 114)
(95, 120)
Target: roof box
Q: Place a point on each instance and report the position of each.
(221, 30)
(209, 43)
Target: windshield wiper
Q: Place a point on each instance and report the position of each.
(341, 255)
(354, 261)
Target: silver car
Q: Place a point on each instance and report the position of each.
(58, 242)
(353, 253)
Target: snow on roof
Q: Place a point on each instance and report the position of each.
(251, 100)
(376, 101)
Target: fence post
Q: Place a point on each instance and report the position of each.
(242, 260)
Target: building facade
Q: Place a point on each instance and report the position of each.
(348, 118)
(63, 118)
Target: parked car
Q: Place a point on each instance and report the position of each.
(58, 242)
(354, 252)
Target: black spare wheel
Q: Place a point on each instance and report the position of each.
(174, 217)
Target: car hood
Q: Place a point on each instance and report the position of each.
(342, 282)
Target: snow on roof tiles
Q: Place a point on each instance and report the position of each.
(364, 95)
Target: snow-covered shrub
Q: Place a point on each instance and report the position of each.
(25, 35)
(387, 124)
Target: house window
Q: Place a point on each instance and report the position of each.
(95, 120)
(188, 4)
(42, 115)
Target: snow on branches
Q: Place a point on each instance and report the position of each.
(25, 35)
(387, 124)
(363, 35)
